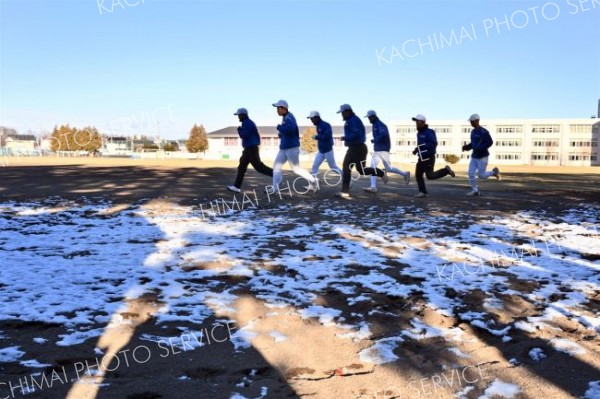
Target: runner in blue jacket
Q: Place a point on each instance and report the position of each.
(381, 150)
(324, 139)
(289, 149)
(250, 155)
(356, 155)
(426, 149)
(481, 141)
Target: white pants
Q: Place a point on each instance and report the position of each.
(291, 155)
(320, 157)
(477, 168)
(384, 157)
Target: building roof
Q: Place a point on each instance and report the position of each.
(21, 137)
(265, 131)
(117, 139)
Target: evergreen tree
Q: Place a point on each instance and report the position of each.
(198, 140)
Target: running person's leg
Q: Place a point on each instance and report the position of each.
(438, 174)
(482, 164)
(473, 165)
(423, 166)
(242, 168)
(257, 164)
(374, 163)
(351, 158)
(331, 162)
(293, 157)
(280, 160)
(387, 164)
(319, 158)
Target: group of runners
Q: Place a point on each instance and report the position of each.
(356, 155)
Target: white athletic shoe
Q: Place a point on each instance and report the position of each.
(473, 193)
(311, 187)
(407, 178)
(342, 195)
(497, 174)
(421, 195)
(234, 189)
(370, 189)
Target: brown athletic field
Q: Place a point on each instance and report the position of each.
(325, 298)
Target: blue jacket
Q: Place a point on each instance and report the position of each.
(354, 131)
(381, 137)
(480, 142)
(288, 132)
(426, 142)
(249, 134)
(324, 137)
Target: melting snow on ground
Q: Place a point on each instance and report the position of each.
(195, 268)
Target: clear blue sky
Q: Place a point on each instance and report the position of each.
(85, 63)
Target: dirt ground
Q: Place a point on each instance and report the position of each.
(298, 349)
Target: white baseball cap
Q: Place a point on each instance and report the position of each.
(344, 107)
(241, 111)
(281, 103)
(313, 114)
(371, 113)
(474, 117)
(420, 117)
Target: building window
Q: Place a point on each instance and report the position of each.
(509, 157)
(509, 129)
(231, 141)
(580, 128)
(405, 129)
(581, 157)
(407, 143)
(544, 156)
(545, 129)
(466, 129)
(442, 129)
(508, 143)
(545, 143)
(584, 143)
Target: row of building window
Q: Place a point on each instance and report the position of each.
(545, 143)
(508, 129)
(544, 157)
(592, 143)
(509, 157)
(508, 143)
(582, 157)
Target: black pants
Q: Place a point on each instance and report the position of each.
(250, 155)
(357, 156)
(426, 167)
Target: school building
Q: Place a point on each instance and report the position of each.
(551, 142)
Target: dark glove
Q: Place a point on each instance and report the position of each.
(467, 147)
(415, 151)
